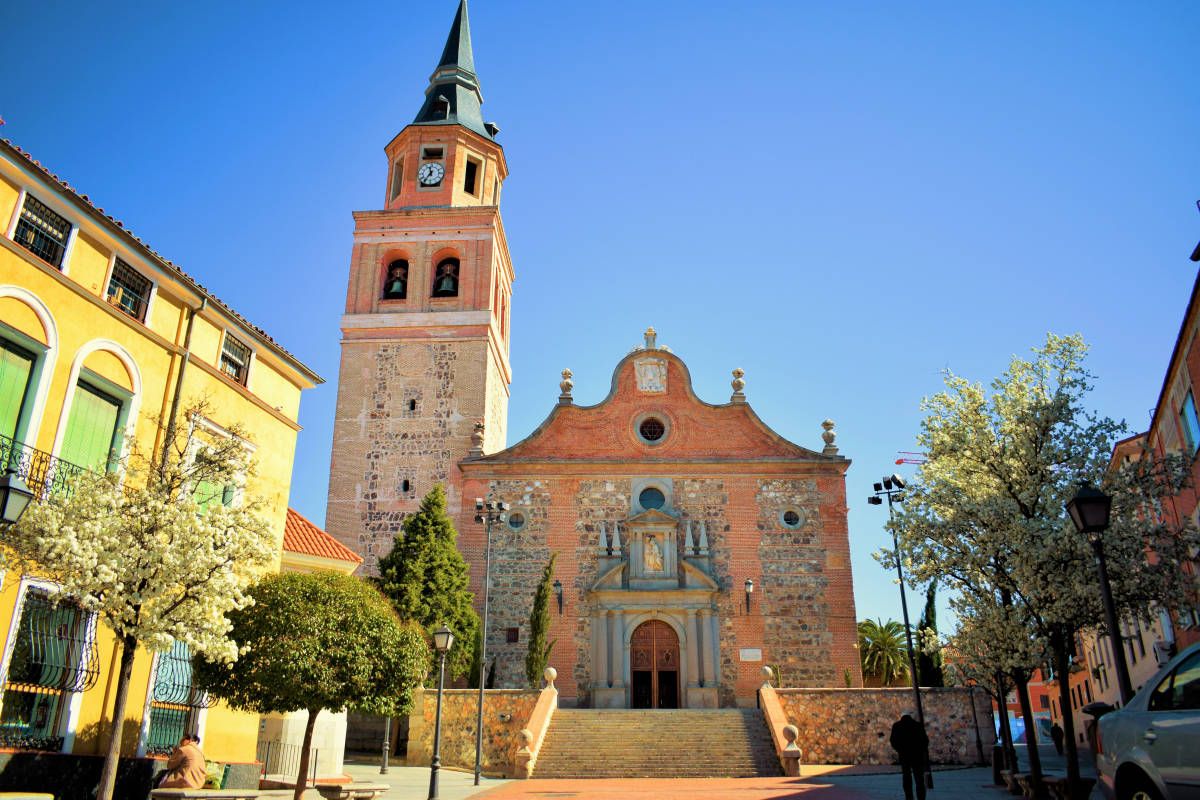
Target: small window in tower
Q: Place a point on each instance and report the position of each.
(412, 405)
(397, 178)
(441, 107)
(445, 278)
(471, 180)
(512, 635)
(432, 153)
(395, 283)
(405, 485)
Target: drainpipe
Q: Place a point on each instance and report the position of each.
(187, 355)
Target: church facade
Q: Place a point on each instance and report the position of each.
(694, 544)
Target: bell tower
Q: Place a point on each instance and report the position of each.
(425, 336)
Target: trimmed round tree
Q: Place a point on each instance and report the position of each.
(314, 642)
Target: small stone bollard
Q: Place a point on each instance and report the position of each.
(768, 675)
(790, 757)
(523, 769)
(550, 674)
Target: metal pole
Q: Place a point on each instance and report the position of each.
(1114, 629)
(487, 580)
(436, 763)
(912, 659)
(387, 746)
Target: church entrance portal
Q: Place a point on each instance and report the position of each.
(654, 666)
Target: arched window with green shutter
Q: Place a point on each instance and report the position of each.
(91, 435)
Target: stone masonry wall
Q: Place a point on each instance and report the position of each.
(851, 726)
(794, 603)
(459, 710)
(518, 558)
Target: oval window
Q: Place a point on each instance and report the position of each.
(792, 518)
(651, 498)
(516, 520)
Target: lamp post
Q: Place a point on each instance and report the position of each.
(14, 497)
(443, 640)
(387, 745)
(1090, 509)
(486, 513)
(893, 489)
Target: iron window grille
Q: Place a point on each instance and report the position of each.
(235, 359)
(54, 655)
(129, 290)
(174, 701)
(42, 232)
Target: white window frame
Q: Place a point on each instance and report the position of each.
(247, 342)
(47, 357)
(108, 275)
(55, 205)
(128, 422)
(75, 703)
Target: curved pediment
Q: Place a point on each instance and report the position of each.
(652, 413)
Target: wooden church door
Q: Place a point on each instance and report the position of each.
(654, 666)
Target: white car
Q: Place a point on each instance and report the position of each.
(1150, 749)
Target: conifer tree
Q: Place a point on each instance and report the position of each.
(539, 624)
(427, 579)
(929, 656)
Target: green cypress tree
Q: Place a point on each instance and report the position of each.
(929, 664)
(427, 579)
(539, 625)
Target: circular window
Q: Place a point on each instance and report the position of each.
(792, 518)
(652, 429)
(651, 498)
(516, 520)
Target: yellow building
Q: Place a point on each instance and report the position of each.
(101, 342)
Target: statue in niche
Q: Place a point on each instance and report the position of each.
(652, 555)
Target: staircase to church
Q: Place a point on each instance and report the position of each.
(616, 743)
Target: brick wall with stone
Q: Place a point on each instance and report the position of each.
(459, 709)
(381, 440)
(851, 726)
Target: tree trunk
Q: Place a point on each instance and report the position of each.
(108, 777)
(1006, 739)
(302, 778)
(1062, 665)
(1035, 760)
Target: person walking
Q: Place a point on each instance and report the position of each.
(1056, 733)
(185, 767)
(911, 744)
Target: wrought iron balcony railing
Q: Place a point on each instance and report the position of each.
(44, 474)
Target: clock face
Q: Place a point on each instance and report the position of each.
(430, 174)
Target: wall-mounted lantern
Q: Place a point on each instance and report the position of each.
(558, 595)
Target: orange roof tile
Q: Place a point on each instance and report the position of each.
(301, 536)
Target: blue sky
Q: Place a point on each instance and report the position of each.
(843, 199)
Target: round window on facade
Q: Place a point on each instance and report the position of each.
(651, 429)
(651, 498)
(792, 518)
(516, 520)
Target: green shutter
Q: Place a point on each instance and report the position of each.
(92, 428)
(16, 367)
(208, 493)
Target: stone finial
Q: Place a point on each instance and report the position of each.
(768, 675)
(651, 339)
(830, 436)
(790, 757)
(565, 386)
(739, 385)
(477, 440)
(550, 674)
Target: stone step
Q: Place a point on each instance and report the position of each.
(598, 743)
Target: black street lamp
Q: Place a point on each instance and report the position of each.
(1090, 510)
(443, 640)
(892, 488)
(486, 513)
(14, 497)
(558, 594)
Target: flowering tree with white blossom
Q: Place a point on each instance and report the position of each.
(985, 514)
(151, 554)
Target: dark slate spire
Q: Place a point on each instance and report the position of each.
(453, 95)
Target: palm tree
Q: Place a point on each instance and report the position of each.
(881, 648)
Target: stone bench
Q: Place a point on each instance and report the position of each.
(351, 791)
(26, 796)
(218, 794)
(1057, 784)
